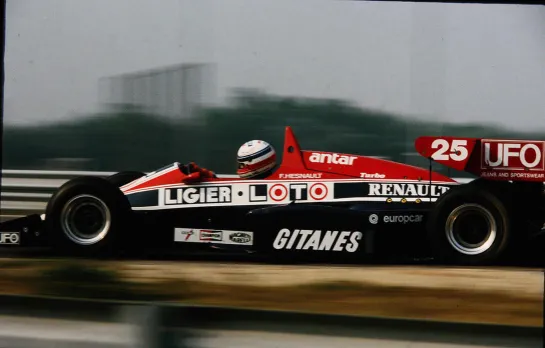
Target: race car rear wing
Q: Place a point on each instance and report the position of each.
(494, 159)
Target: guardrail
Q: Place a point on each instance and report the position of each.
(160, 324)
(26, 192)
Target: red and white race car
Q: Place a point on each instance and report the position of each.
(319, 204)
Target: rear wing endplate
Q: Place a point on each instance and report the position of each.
(495, 159)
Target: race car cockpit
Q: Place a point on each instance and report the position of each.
(193, 172)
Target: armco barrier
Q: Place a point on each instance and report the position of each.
(167, 325)
(27, 191)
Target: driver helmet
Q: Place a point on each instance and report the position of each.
(255, 158)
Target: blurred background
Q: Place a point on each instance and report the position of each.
(129, 85)
(108, 85)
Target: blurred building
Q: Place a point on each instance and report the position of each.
(173, 91)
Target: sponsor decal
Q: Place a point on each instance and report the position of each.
(301, 176)
(211, 235)
(334, 158)
(512, 155)
(196, 195)
(197, 235)
(373, 218)
(403, 219)
(187, 234)
(508, 175)
(372, 175)
(9, 238)
(527, 175)
(240, 237)
(296, 191)
(320, 240)
(278, 192)
(318, 191)
(455, 150)
(406, 190)
(184, 234)
(258, 193)
(283, 192)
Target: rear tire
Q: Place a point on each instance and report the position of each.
(87, 216)
(469, 226)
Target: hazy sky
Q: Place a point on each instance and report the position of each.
(456, 62)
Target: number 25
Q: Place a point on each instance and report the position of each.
(458, 152)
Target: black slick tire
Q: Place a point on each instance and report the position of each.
(463, 211)
(87, 216)
(123, 178)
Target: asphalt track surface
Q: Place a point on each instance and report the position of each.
(250, 339)
(53, 333)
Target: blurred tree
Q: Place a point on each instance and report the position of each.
(127, 138)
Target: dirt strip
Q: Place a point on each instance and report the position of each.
(522, 283)
(518, 282)
(493, 295)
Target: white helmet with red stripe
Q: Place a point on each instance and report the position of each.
(255, 158)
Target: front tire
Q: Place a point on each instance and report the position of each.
(470, 226)
(123, 178)
(87, 216)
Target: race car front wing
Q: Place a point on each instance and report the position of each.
(23, 231)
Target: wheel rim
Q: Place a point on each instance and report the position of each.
(471, 229)
(85, 219)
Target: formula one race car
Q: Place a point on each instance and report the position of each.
(315, 203)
